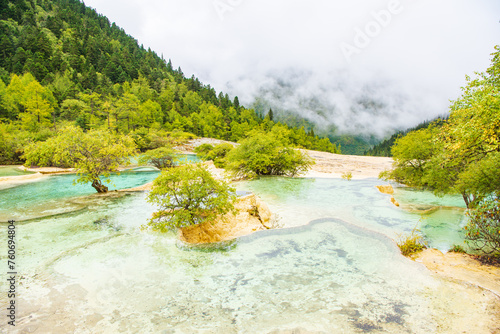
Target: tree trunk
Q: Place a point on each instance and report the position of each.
(99, 187)
(469, 200)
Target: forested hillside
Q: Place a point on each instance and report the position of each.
(62, 63)
(384, 148)
(350, 143)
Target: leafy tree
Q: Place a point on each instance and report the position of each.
(412, 154)
(215, 153)
(11, 143)
(192, 102)
(461, 156)
(383, 149)
(4, 114)
(188, 195)
(149, 114)
(94, 154)
(202, 150)
(72, 108)
(128, 107)
(38, 102)
(266, 154)
(15, 94)
(481, 178)
(161, 158)
(270, 115)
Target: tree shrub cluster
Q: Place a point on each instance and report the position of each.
(161, 158)
(94, 154)
(266, 154)
(260, 154)
(217, 153)
(188, 195)
(483, 229)
(462, 155)
(384, 148)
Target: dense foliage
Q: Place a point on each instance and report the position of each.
(61, 62)
(266, 154)
(215, 153)
(94, 154)
(161, 158)
(188, 195)
(412, 155)
(483, 228)
(383, 149)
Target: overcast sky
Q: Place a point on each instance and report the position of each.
(410, 56)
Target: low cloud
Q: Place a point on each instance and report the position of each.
(407, 58)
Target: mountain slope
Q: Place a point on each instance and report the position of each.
(62, 62)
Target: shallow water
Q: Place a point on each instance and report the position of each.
(12, 171)
(359, 202)
(334, 270)
(59, 193)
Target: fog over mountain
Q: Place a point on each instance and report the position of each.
(366, 66)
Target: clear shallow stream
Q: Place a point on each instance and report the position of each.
(89, 268)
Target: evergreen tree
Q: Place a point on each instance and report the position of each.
(270, 114)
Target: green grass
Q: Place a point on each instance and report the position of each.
(412, 243)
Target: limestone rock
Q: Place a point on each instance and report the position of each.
(387, 189)
(251, 214)
(461, 267)
(393, 201)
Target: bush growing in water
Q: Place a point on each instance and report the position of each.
(188, 195)
(202, 150)
(161, 158)
(94, 154)
(410, 244)
(150, 139)
(347, 176)
(266, 154)
(216, 153)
